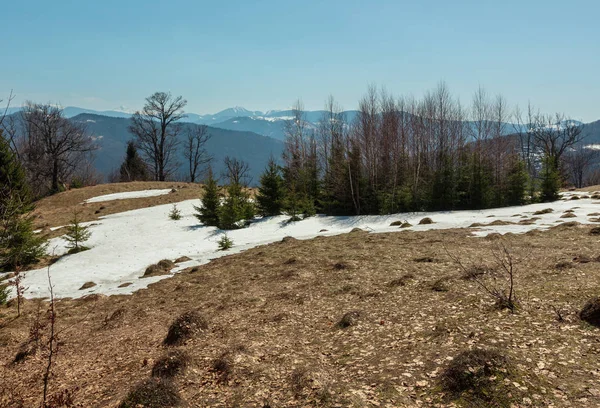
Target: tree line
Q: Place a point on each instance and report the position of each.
(429, 154)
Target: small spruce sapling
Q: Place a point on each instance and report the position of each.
(175, 213)
(225, 243)
(76, 235)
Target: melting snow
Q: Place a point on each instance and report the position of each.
(127, 195)
(124, 244)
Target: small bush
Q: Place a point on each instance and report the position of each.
(478, 373)
(544, 211)
(568, 215)
(426, 221)
(349, 319)
(175, 213)
(170, 365)
(591, 312)
(396, 224)
(185, 327)
(225, 243)
(406, 225)
(152, 393)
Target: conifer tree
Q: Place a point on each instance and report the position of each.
(236, 207)
(133, 168)
(517, 183)
(270, 198)
(208, 210)
(19, 246)
(76, 235)
(550, 180)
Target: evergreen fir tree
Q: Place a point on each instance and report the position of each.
(550, 181)
(236, 207)
(13, 181)
(517, 183)
(270, 198)
(19, 246)
(133, 168)
(76, 235)
(208, 211)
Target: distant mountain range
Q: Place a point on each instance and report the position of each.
(249, 135)
(112, 134)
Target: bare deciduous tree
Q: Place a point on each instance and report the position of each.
(156, 129)
(236, 171)
(194, 150)
(578, 163)
(554, 134)
(52, 146)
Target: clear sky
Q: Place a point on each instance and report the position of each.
(101, 54)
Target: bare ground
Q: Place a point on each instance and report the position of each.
(273, 337)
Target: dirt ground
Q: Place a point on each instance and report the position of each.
(273, 338)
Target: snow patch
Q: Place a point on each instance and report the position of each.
(127, 195)
(124, 244)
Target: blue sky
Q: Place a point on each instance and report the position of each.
(266, 54)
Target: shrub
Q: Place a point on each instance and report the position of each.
(225, 243)
(544, 211)
(185, 327)
(152, 393)
(426, 221)
(170, 365)
(175, 214)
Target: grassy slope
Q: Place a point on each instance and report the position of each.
(274, 309)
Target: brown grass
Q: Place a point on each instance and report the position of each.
(57, 210)
(394, 356)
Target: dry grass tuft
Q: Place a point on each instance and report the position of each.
(401, 281)
(163, 267)
(544, 211)
(440, 285)
(591, 312)
(223, 366)
(476, 377)
(349, 319)
(152, 393)
(171, 365)
(426, 221)
(185, 327)
(568, 215)
(87, 285)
